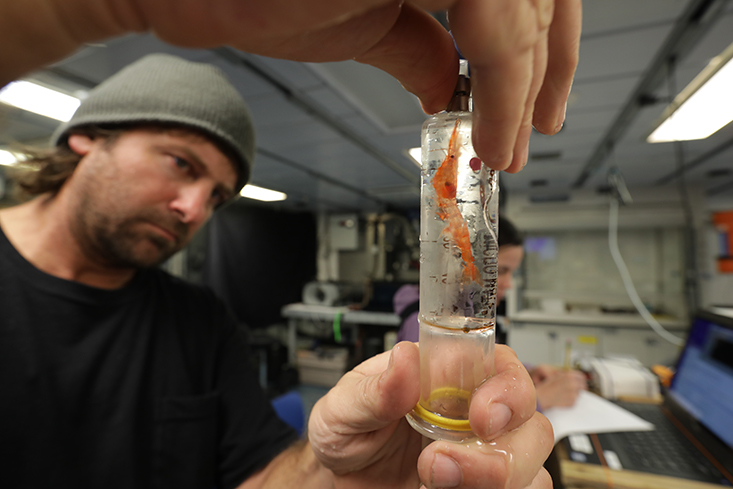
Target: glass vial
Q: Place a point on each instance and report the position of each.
(458, 271)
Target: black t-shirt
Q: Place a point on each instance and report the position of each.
(147, 386)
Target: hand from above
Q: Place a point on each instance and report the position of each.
(359, 432)
(522, 53)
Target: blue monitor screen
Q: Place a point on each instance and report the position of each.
(703, 383)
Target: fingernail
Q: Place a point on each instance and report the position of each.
(561, 119)
(499, 416)
(389, 366)
(524, 156)
(499, 162)
(446, 472)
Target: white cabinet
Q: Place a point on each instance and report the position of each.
(545, 342)
(644, 344)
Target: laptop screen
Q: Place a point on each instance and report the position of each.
(703, 383)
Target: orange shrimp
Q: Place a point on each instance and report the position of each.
(444, 183)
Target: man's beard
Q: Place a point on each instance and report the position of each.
(120, 243)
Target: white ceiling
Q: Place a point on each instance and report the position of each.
(334, 136)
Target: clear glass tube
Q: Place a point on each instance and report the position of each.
(458, 274)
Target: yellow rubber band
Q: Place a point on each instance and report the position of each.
(442, 421)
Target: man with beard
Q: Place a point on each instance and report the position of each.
(116, 374)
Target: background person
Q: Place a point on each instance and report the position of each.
(556, 387)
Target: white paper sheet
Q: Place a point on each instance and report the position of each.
(593, 414)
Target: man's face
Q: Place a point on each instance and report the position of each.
(140, 198)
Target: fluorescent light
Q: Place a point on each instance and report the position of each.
(8, 159)
(40, 100)
(264, 194)
(703, 107)
(416, 155)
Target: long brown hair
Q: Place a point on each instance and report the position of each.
(46, 170)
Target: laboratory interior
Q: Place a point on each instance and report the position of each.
(624, 218)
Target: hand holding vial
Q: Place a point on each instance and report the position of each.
(359, 431)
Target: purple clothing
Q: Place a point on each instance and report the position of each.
(410, 328)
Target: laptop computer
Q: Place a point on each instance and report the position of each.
(693, 438)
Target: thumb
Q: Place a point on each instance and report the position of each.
(349, 426)
(374, 394)
(383, 394)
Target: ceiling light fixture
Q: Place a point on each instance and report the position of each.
(263, 194)
(416, 155)
(8, 158)
(39, 100)
(702, 108)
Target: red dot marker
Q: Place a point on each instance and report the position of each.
(475, 164)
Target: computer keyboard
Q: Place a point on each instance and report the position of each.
(663, 451)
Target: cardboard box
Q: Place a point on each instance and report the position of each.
(323, 367)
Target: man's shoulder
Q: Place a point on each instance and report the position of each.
(166, 279)
(185, 294)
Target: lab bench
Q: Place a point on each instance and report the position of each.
(350, 319)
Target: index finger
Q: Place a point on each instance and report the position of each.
(503, 41)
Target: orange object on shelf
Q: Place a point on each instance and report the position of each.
(664, 373)
(724, 224)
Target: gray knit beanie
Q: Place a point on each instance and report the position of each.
(170, 90)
